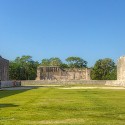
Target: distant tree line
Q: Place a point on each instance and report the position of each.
(71, 62)
(25, 68)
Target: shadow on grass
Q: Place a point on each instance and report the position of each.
(5, 92)
(13, 91)
(7, 105)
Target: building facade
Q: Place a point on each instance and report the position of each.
(56, 73)
(4, 69)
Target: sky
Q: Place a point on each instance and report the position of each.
(90, 29)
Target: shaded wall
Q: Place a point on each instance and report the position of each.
(4, 69)
(10, 84)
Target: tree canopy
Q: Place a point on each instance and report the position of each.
(54, 61)
(23, 68)
(45, 62)
(104, 69)
(76, 62)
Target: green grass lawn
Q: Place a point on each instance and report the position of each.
(54, 106)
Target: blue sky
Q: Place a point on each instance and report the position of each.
(90, 29)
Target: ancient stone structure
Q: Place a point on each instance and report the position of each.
(4, 68)
(121, 68)
(56, 73)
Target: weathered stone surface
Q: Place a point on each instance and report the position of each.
(59, 83)
(121, 68)
(115, 82)
(4, 68)
(56, 73)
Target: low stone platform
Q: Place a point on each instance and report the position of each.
(7, 84)
(55, 82)
(93, 82)
(19, 88)
(115, 82)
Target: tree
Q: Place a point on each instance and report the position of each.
(45, 62)
(76, 62)
(23, 68)
(54, 61)
(63, 66)
(104, 69)
(14, 70)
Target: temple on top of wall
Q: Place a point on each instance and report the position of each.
(4, 69)
(57, 73)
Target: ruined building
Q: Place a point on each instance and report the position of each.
(4, 68)
(57, 73)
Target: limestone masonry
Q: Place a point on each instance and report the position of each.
(57, 73)
(4, 69)
(121, 68)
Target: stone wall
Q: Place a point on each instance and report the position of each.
(56, 73)
(54, 82)
(115, 82)
(5, 84)
(4, 69)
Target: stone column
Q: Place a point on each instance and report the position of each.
(121, 68)
(38, 74)
(88, 74)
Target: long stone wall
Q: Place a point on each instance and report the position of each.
(82, 82)
(52, 82)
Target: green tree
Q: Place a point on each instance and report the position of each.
(76, 62)
(64, 65)
(23, 68)
(55, 61)
(14, 70)
(104, 69)
(45, 62)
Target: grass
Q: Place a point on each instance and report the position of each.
(54, 106)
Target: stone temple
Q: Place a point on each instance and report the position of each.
(57, 73)
(4, 69)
